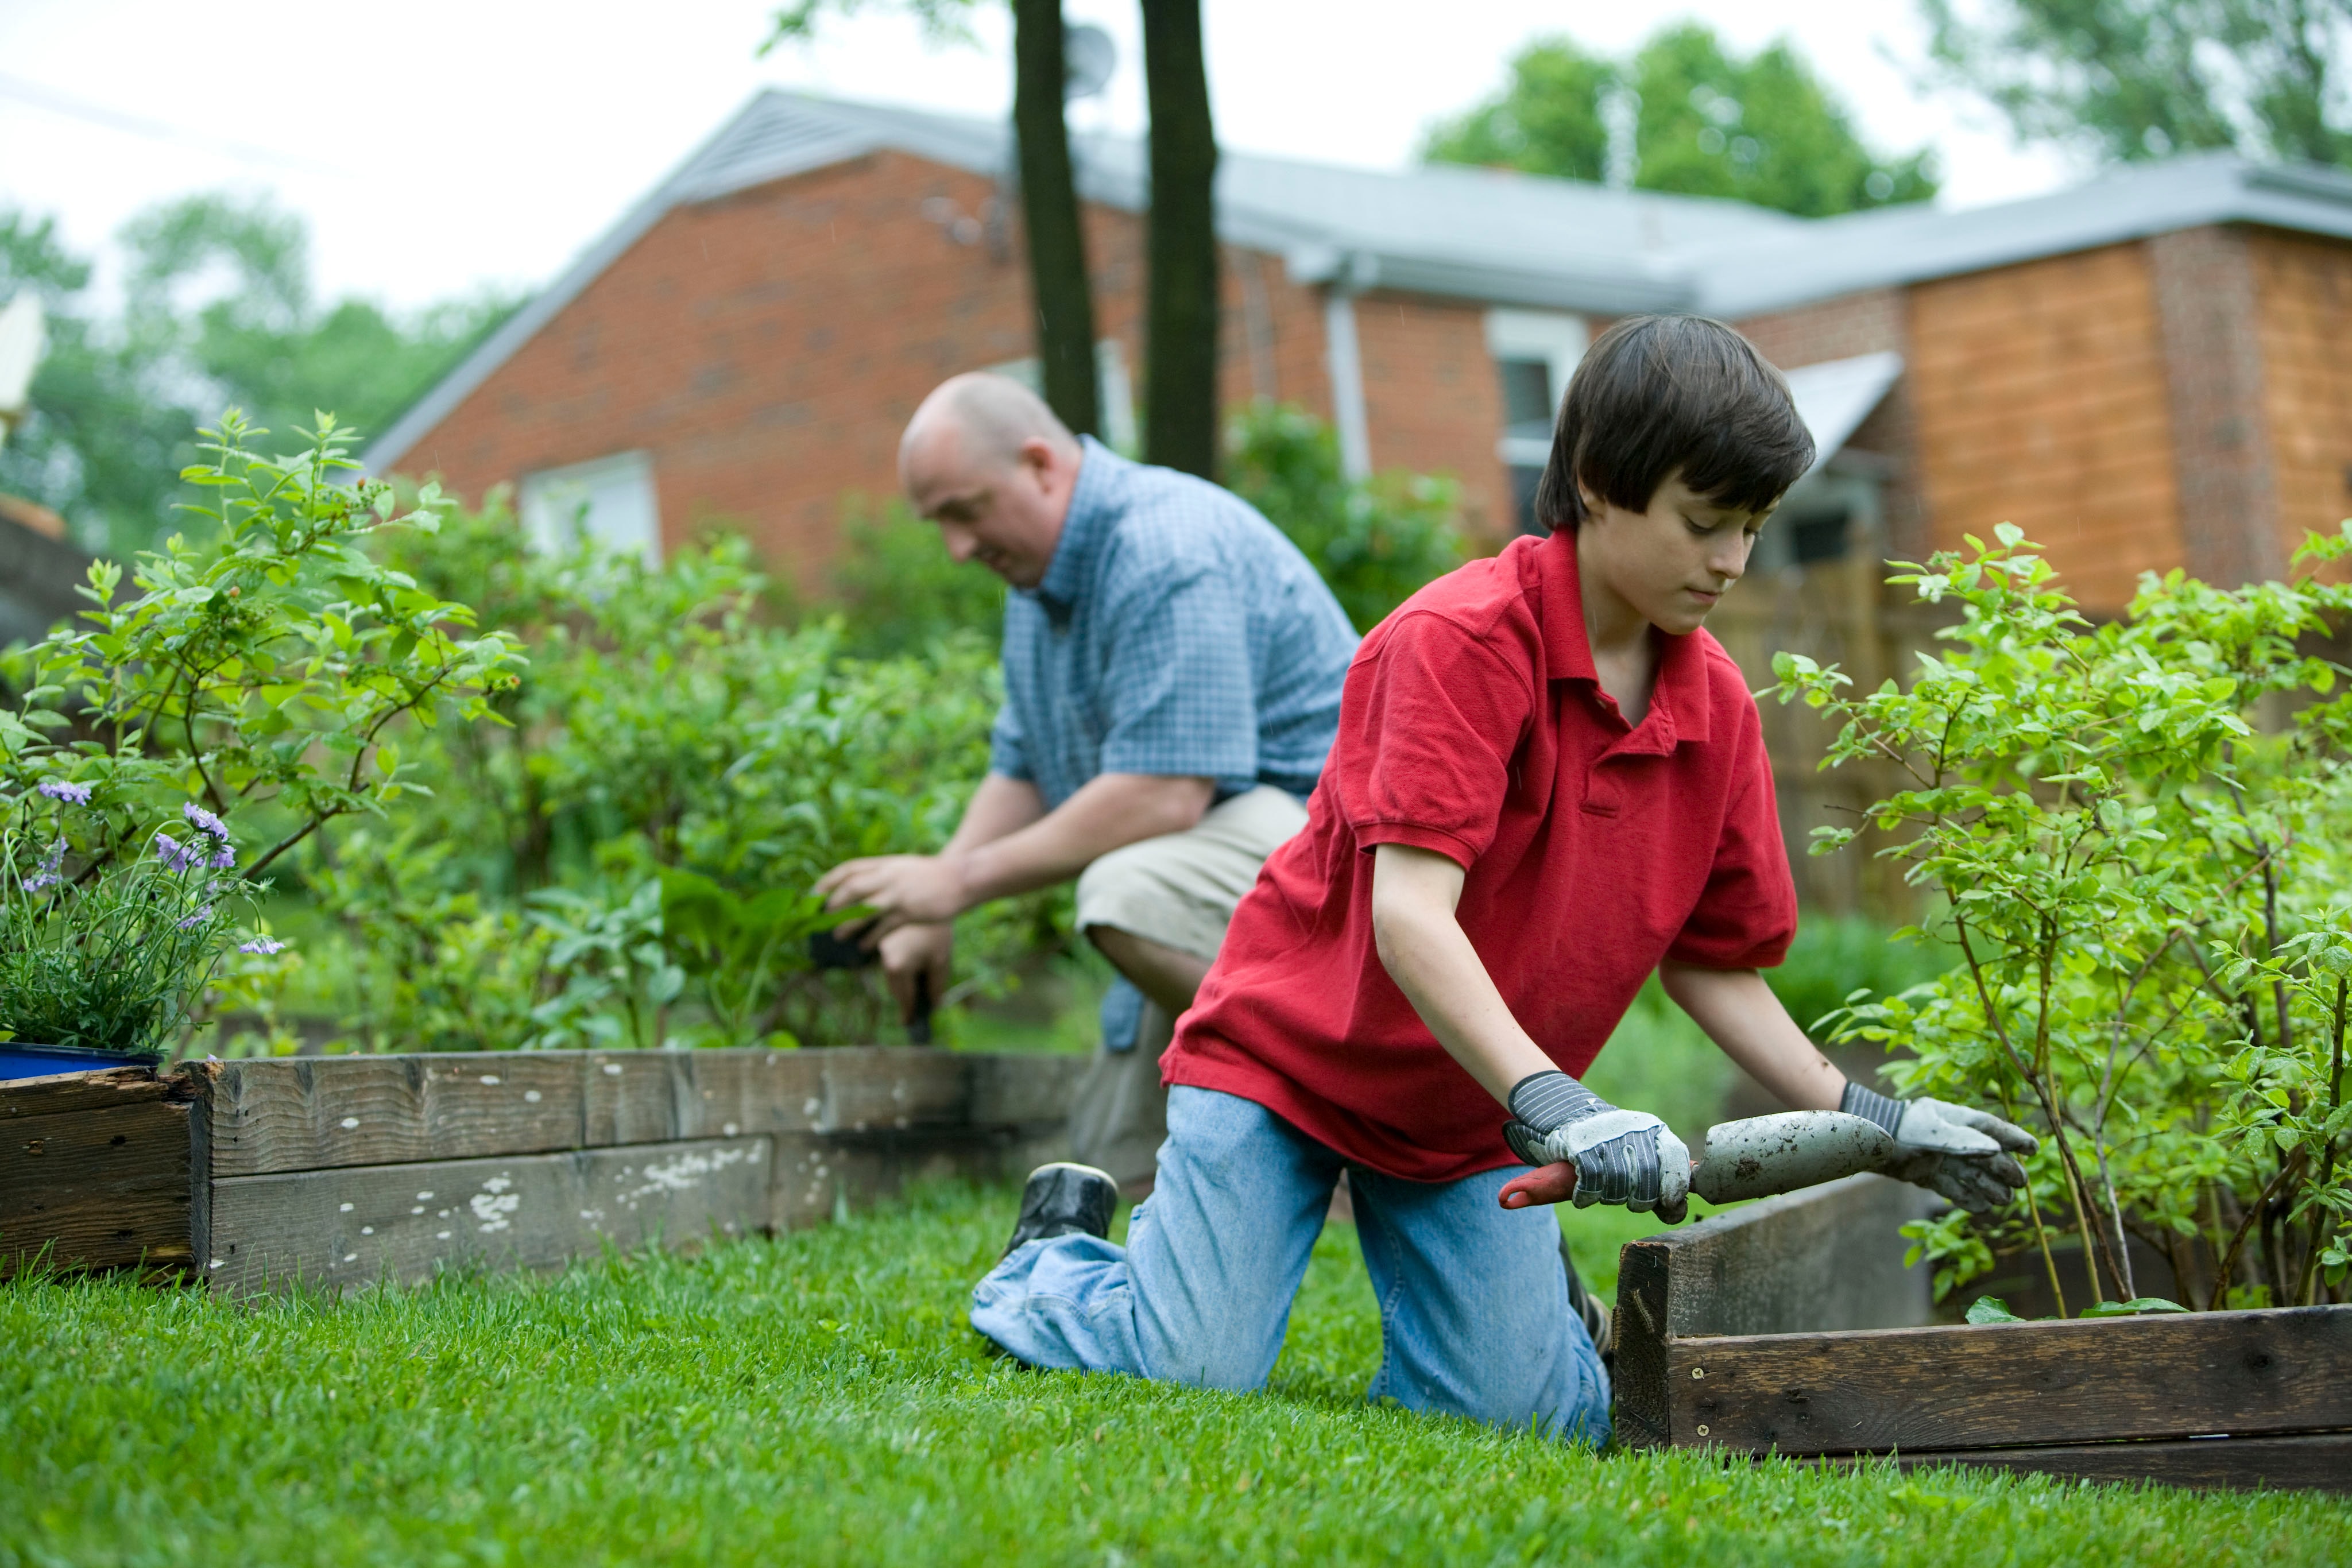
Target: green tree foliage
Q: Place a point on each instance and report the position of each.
(2134, 80)
(2144, 893)
(1698, 122)
(1374, 542)
(219, 311)
(897, 590)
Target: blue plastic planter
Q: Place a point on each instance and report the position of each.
(43, 1061)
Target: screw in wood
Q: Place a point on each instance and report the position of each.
(1702, 1428)
(1699, 1372)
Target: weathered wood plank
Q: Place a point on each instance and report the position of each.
(86, 1091)
(2312, 1461)
(361, 1225)
(821, 1175)
(99, 1188)
(292, 1113)
(2009, 1385)
(1830, 1257)
(334, 1112)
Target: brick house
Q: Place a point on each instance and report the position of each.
(2152, 370)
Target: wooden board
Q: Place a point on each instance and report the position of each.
(2315, 1461)
(99, 1188)
(2012, 1384)
(87, 1091)
(337, 1228)
(301, 1114)
(1830, 1257)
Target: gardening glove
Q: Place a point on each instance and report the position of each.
(1966, 1155)
(1628, 1157)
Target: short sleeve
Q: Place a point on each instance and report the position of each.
(1429, 724)
(1747, 913)
(1177, 683)
(1007, 752)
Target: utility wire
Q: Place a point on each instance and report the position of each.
(39, 96)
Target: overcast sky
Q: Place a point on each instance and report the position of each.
(440, 145)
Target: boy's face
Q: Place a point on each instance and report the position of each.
(1671, 564)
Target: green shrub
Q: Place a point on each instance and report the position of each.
(2144, 892)
(897, 590)
(1374, 541)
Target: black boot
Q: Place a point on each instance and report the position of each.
(1063, 1199)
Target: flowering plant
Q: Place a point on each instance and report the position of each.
(113, 962)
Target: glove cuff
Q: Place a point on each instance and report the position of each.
(1549, 1101)
(1869, 1103)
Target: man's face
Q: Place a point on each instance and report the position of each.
(1672, 562)
(1007, 516)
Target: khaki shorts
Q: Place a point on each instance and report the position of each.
(1178, 889)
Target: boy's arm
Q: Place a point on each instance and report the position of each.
(1584, 1145)
(1741, 1015)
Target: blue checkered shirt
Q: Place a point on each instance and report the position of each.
(1176, 633)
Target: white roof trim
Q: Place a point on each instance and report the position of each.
(1835, 397)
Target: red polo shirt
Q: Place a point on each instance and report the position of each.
(1473, 725)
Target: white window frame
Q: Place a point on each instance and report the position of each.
(1558, 338)
(623, 505)
(1114, 392)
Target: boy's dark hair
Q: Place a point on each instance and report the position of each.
(1656, 395)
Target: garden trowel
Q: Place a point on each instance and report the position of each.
(1754, 1157)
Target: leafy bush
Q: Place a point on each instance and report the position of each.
(2144, 893)
(897, 590)
(1374, 541)
(262, 667)
(626, 859)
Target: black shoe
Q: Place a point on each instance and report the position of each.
(1599, 1322)
(1062, 1199)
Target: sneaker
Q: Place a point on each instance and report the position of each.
(1599, 1320)
(1063, 1199)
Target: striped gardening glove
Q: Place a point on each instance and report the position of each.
(1968, 1155)
(1627, 1157)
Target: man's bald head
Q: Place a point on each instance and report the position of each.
(985, 459)
(987, 418)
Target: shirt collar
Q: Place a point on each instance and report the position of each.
(1678, 705)
(1083, 527)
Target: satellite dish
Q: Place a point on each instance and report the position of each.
(22, 338)
(1088, 56)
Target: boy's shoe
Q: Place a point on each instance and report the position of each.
(1063, 1199)
(1599, 1320)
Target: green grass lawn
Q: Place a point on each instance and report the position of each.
(819, 1399)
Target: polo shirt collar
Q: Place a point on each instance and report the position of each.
(1084, 527)
(1678, 705)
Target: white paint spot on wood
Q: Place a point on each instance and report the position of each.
(440, 1235)
(490, 1079)
(346, 1208)
(812, 1105)
(350, 1122)
(418, 1209)
(218, 1263)
(683, 1173)
(530, 1096)
(367, 1230)
(426, 1197)
(350, 1256)
(731, 1129)
(612, 1070)
(495, 1204)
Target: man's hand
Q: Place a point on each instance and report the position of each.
(1627, 1157)
(1967, 1155)
(901, 890)
(914, 952)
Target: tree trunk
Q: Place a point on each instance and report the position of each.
(1181, 315)
(1049, 218)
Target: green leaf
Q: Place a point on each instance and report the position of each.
(1991, 1309)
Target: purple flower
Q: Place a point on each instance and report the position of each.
(48, 875)
(200, 818)
(198, 918)
(176, 855)
(59, 789)
(265, 946)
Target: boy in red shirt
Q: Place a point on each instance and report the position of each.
(1548, 783)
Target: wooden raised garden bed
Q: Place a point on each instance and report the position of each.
(346, 1171)
(1789, 1327)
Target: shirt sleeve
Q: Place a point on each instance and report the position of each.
(1747, 913)
(1007, 752)
(1178, 684)
(1428, 726)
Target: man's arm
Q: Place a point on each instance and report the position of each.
(1108, 811)
(1741, 1013)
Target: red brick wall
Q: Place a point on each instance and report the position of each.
(768, 347)
(2303, 288)
(1432, 402)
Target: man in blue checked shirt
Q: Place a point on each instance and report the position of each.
(1173, 667)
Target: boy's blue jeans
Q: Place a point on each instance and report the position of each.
(1474, 1319)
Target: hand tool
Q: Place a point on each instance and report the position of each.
(830, 951)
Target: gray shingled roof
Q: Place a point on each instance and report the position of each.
(1472, 234)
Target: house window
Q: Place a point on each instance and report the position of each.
(1535, 353)
(610, 500)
